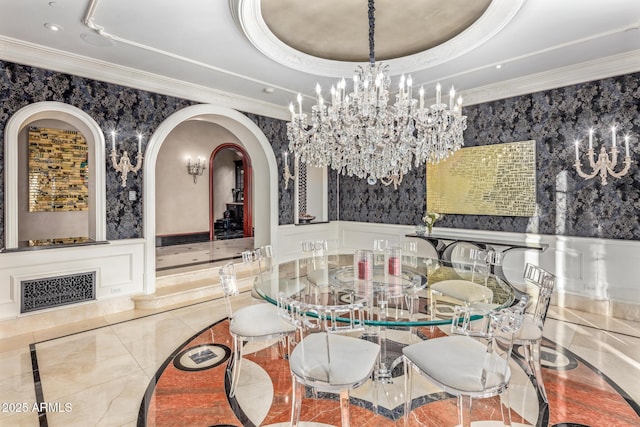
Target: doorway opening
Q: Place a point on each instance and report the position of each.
(230, 184)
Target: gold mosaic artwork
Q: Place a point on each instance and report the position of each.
(58, 170)
(497, 179)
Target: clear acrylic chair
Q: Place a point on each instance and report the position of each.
(325, 359)
(257, 322)
(472, 365)
(530, 335)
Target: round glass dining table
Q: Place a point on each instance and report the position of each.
(424, 294)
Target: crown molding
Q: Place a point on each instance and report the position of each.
(37, 56)
(34, 55)
(602, 68)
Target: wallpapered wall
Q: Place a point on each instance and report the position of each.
(113, 107)
(567, 204)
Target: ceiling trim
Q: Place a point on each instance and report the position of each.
(602, 68)
(34, 55)
(248, 17)
(51, 59)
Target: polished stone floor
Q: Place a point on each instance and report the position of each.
(193, 256)
(100, 377)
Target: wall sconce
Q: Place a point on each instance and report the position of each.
(605, 165)
(286, 174)
(196, 169)
(124, 166)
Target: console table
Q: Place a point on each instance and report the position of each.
(444, 245)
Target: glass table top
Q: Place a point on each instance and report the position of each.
(329, 280)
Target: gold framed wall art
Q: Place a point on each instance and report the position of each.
(498, 179)
(58, 170)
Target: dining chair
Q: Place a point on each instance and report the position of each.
(325, 359)
(467, 364)
(257, 322)
(315, 254)
(530, 335)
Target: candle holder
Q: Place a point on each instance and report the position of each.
(286, 174)
(195, 169)
(124, 166)
(605, 165)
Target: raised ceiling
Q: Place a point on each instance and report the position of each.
(339, 30)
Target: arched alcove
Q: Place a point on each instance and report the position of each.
(264, 169)
(95, 140)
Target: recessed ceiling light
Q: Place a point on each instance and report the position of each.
(499, 66)
(53, 27)
(268, 90)
(53, 4)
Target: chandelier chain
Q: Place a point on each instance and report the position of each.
(372, 29)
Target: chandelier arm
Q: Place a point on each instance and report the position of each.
(613, 162)
(627, 165)
(138, 165)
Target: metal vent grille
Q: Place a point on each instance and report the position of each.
(51, 292)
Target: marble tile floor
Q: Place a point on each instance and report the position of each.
(99, 376)
(192, 256)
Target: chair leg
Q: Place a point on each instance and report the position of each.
(464, 410)
(408, 384)
(344, 407)
(537, 369)
(237, 362)
(505, 408)
(296, 401)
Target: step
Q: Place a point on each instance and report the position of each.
(191, 287)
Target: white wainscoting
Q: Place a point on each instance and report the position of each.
(119, 267)
(594, 275)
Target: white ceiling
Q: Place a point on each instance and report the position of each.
(218, 50)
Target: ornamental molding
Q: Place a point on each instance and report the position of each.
(248, 17)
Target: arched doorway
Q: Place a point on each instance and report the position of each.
(263, 162)
(247, 190)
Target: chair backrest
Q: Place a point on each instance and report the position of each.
(545, 282)
(229, 284)
(470, 262)
(497, 328)
(309, 317)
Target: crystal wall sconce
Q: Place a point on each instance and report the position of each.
(605, 165)
(124, 166)
(195, 169)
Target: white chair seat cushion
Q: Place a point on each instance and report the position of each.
(463, 290)
(529, 332)
(319, 277)
(259, 320)
(456, 362)
(352, 359)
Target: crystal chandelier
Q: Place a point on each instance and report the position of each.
(361, 134)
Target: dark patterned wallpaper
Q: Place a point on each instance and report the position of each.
(276, 132)
(567, 204)
(113, 107)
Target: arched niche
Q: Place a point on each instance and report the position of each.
(95, 140)
(264, 167)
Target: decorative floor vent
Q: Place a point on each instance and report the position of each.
(49, 292)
